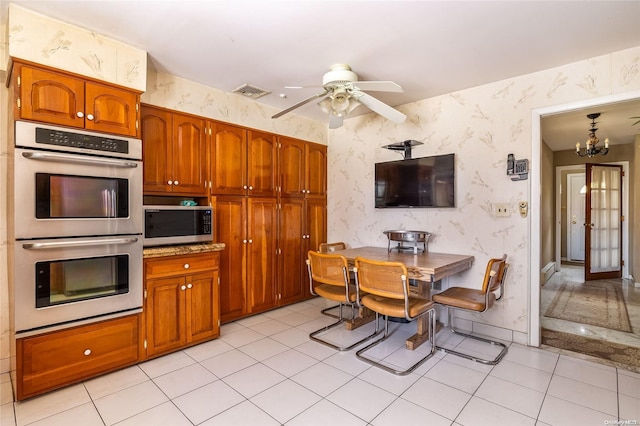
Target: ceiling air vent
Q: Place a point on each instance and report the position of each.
(251, 91)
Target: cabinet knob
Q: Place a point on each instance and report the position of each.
(189, 285)
(89, 116)
(80, 114)
(184, 287)
(186, 266)
(87, 352)
(303, 191)
(244, 241)
(175, 182)
(250, 241)
(250, 187)
(308, 191)
(170, 182)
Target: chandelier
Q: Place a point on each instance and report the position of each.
(592, 143)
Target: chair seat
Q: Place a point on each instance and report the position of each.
(464, 298)
(395, 307)
(336, 293)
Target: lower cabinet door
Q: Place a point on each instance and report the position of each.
(165, 312)
(203, 301)
(57, 359)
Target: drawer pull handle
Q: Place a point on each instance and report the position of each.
(87, 352)
(186, 266)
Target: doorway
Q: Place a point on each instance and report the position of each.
(535, 210)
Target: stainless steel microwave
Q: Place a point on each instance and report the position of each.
(165, 225)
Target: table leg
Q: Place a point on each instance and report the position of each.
(365, 315)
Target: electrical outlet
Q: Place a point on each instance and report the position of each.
(501, 210)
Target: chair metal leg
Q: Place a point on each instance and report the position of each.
(432, 341)
(325, 311)
(313, 336)
(493, 361)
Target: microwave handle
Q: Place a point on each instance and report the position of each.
(64, 158)
(61, 244)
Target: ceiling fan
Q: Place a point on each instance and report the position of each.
(343, 93)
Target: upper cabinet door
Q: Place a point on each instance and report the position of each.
(189, 155)
(157, 152)
(292, 168)
(316, 182)
(228, 160)
(261, 164)
(50, 97)
(112, 110)
(59, 98)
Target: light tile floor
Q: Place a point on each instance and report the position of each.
(264, 370)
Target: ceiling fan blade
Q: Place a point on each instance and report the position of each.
(299, 104)
(378, 86)
(380, 107)
(335, 121)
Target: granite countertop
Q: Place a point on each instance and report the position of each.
(181, 249)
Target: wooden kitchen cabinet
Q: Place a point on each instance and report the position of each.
(243, 161)
(302, 227)
(303, 169)
(181, 304)
(57, 97)
(247, 227)
(52, 360)
(173, 152)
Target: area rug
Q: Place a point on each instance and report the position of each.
(599, 303)
(626, 355)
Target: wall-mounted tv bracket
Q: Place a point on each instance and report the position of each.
(517, 169)
(405, 147)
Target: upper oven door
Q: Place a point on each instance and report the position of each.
(59, 194)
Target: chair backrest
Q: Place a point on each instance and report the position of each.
(382, 278)
(331, 247)
(328, 268)
(495, 274)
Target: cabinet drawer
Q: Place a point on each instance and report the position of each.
(172, 265)
(60, 358)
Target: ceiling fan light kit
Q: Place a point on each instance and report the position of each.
(343, 93)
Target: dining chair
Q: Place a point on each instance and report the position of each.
(330, 248)
(329, 278)
(384, 288)
(476, 301)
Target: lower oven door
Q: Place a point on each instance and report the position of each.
(62, 281)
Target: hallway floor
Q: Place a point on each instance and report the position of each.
(264, 370)
(574, 273)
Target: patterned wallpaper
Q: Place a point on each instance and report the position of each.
(38, 38)
(481, 125)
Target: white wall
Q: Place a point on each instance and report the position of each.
(481, 125)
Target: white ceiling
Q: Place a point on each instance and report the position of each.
(427, 47)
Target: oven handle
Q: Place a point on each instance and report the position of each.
(61, 244)
(45, 156)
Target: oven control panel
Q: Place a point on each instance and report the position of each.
(50, 136)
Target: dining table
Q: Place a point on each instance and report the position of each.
(423, 267)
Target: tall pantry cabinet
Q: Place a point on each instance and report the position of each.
(266, 233)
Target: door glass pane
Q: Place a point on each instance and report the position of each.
(605, 219)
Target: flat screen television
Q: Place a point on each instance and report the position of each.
(416, 182)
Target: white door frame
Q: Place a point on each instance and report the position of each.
(535, 202)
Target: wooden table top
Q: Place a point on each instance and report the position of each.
(422, 266)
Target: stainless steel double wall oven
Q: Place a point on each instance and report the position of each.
(78, 224)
